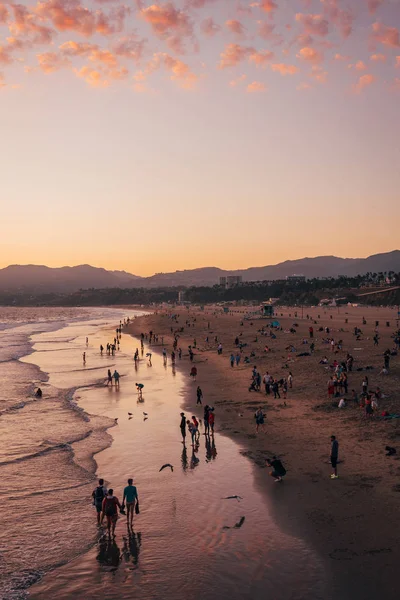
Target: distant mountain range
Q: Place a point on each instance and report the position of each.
(41, 279)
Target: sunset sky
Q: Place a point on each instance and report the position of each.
(154, 136)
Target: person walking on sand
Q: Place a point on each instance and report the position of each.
(192, 431)
(275, 389)
(211, 420)
(84, 358)
(193, 373)
(334, 456)
(199, 394)
(109, 510)
(109, 378)
(259, 417)
(196, 428)
(131, 496)
(290, 380)
(206, 420)
(98, 496)
(183, 427)
(116, 378)
(232, 360)
(331, 387)
(101, 349)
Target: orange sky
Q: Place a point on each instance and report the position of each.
(154, 136)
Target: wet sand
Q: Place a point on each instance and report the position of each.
(180, 548)
(353, 522)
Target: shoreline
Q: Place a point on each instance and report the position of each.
(345, 524)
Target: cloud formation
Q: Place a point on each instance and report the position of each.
(106, 41)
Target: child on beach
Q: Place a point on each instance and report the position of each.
(109, 510)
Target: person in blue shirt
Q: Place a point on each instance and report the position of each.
(131, 497)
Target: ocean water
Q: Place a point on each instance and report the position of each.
(40, 478)
(184, 544)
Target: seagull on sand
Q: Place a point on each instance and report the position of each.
(166, 466)
(238, 498)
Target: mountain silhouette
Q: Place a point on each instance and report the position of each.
(42, 279)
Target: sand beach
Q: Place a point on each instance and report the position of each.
(353, 521)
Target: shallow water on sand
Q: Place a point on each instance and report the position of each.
(180, 548)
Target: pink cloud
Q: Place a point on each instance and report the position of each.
(166, 20)
(313, 24)
(378, 58)
(267, 32)
(71, 15)
(3, 13)
(233, 55)
(269, 6)
(92, 51)
(261, 58)
(180, 71)
(72, 48)
(209, 27)
(304, 39)
(359, 66)
(388, 36)
(309, 54)
(101, 77)
(373, 5)
(319, 74)
(130, 47)
(27, 29)
(343, 19)
(363, 82)
(255, 87)
(341, 57)
(235, 26)
(93, 77)
(284, 69)
(5, 58)
(49, 62)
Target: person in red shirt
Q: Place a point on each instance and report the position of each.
(211, 420)
(110, 510)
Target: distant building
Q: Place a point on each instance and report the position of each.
(181, 297)
(230, 280)
(234, 279)
(296, 278)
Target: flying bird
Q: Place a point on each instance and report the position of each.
(145, 414)
(130, 414)
(166, 466)
(240, 523)
(238, 498)
(237, 525)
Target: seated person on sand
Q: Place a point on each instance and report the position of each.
(324, 361)
(384, 371)
(267, 349)
(38, 393)
(342, 403)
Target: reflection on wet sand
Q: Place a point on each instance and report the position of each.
(179, 507)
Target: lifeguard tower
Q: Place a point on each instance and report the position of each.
(267, 310)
